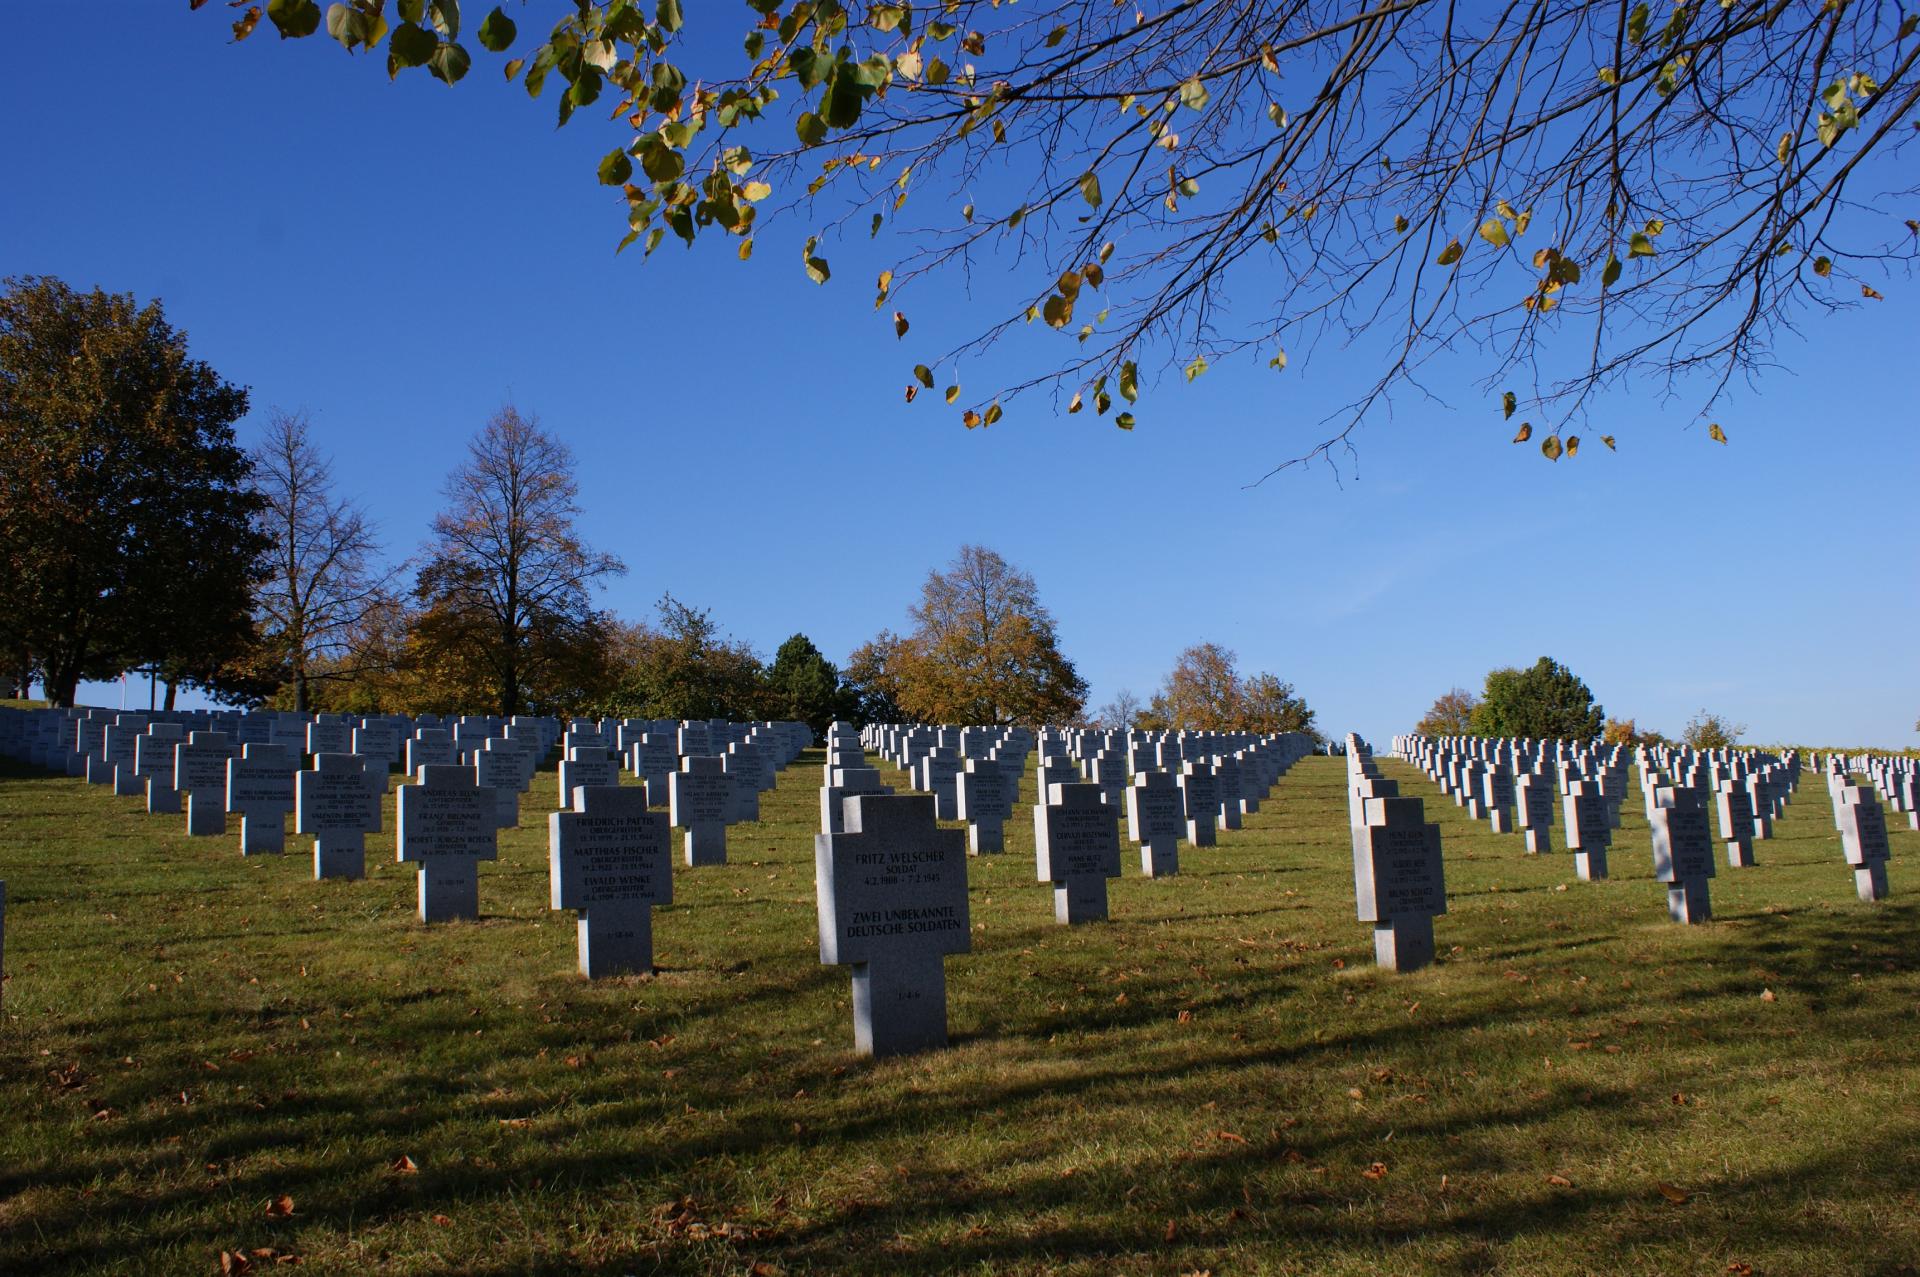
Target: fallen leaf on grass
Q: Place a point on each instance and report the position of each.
(1376, 1171)
(404, 1165)
(1230, 1137)
(443, 1221)
(279, 1207)
(1173, 1230)
(1559, 1181)
(1766, 995)
(1678, 1196)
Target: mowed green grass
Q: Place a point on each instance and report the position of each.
(206, 1053)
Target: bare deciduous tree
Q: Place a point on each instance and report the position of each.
(324, 580)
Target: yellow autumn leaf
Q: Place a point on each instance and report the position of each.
(1450, 254)
(1494, 231)
(1526, 432)
(1715, 433)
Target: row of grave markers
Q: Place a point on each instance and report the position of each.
(891, 884)
(1744, 791)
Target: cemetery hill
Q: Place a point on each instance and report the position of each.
(1204, 637)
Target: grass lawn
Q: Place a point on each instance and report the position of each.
(201, 1053)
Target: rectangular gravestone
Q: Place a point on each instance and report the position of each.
(1076, 847)
(1226, 779)
(611, 859)
(338, 805)
(260, 790)
(1682, 854)
(892, 898)
(430, 747)
(1399, 881)
(700, 798)
(1156, 819)
(447, 826)
(153, 762)
(743, 766)
(329, 738)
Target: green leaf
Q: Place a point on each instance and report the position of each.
(1279, 362)
(410, 46)
(1056, 35)
(1450, 254)
(1124, 421)
(816, 266)
(1637, 24)
(923, 375)
(1823, 266)
(449, 63)
(1611, 275)
(1194, 95)
(1196, 368)
(993, 414)
(615, 168)
(497, 32)
(413, 10)
(347, 25)
(811, 128)
(1507, 404)
(1129, 381)
(1640, 245)
(1494, 231)
(1550, 446)
(294, 18)
(667, 14)
(446, 17)
(1090, 189)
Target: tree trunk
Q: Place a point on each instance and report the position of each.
(172, 690)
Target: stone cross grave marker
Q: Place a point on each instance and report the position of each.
(892, 896)
(498, 772)
(1734, 806)
(700, 798)
(984, 798)
(652, 759)
(846, 782)
(329, 738)
(430, 747)
(612, 860)
(1076, 847)
(1157, 820)
(200, 774)
(1682, 853)
(338, 803)
(260, 789)
(585, 765)
(1589, 829)
(448, 825)
(153, 762)
(1399, 881)
(1226, 779)
(1200, 797)
(1863, 835)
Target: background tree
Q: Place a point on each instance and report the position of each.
(1200, 693)
(1501, 178)
(1205, 691)
(125, 519)
(1450, 715)
(507, 573)
(684, 668)
(872, 680)
(804, 685)
(322, 580)
(1545, 700)
(983, 649)
(1270, 704)
(1120, 713)
(1711, 731)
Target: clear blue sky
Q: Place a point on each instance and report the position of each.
(398, 259)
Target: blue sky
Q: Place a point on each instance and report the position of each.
(399, 259)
